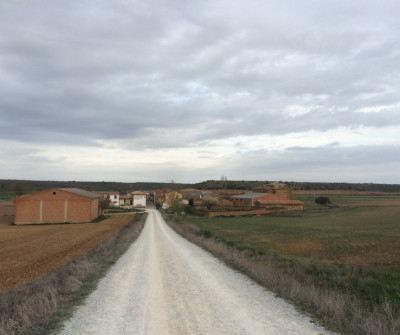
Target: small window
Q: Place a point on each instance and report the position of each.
(54, 193)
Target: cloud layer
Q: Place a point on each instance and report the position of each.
(137, 80)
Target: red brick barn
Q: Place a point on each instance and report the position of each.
(267, 200)
(57, 205)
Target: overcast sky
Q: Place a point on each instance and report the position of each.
(155, 90)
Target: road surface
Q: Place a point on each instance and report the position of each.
(165, 285)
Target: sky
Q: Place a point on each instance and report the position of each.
(161, 90)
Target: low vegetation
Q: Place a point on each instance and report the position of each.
(340, 265)
(322, 201)
(41, 306)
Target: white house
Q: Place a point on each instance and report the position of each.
(139, 199)
(114, 197)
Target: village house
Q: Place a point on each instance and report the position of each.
(139, 199)
(171, 196)
(270, 196)
(248, 199)
(277, 188)
(159, 197)
(211, 197)
(133, 199)
(114, 197)
(57, 205)
(125, 200)
(192, 194)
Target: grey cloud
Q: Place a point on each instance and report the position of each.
(326, 163)
(166, 73)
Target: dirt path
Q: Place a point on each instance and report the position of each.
(28, 252)
(166, 285)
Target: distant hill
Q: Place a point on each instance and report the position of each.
(248, 185)
(7, 186)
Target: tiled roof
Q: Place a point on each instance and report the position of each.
(138, 192)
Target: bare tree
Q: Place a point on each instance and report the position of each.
(104, 203)
(174, 202)
(224, 180)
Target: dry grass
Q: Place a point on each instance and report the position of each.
(334, 308)
(40, 306)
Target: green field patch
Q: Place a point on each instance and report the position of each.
(356, 249)
(367, 234)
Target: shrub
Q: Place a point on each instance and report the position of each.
(322, 200)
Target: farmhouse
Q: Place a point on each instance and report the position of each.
(248, 199)
(270, 196)
(192, 194)
(279, 189)
(159, 197)
(139, 199)
(114, 197)
(125, 200)
(57, 205)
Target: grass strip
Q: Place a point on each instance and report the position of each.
(335, 308)
(41, 307)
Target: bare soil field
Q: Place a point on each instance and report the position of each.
(29, 252)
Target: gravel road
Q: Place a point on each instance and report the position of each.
(166, 285)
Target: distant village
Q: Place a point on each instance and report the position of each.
(58, 205)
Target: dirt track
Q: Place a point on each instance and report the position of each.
(166, 285)
(28, 252)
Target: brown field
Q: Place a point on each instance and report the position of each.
(29, 252)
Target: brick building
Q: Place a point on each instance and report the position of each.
(267, 200)
(279, 189)
(57, 205)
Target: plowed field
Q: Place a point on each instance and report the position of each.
(29, 252)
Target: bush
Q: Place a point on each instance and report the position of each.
(322, 201)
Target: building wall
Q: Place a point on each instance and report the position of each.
(114, 200)
(169, 197)
(27, 210)
(245, 201)
(215, 213)
(284, 193)
(55, 206)
(139, 200)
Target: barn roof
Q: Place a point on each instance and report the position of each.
(250, 195)
(81, 192)
(107, 192)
